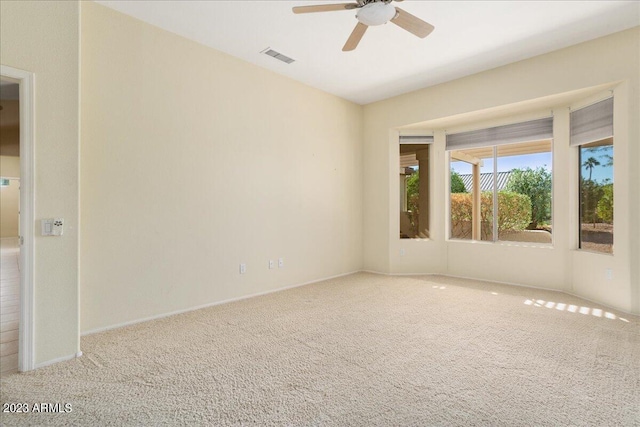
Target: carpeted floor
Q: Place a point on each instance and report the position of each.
(362, 350)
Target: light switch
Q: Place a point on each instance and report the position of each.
(52, 226)
(47, 227)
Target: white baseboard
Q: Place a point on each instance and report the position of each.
(520, 285)
(226, 301)
(374, 272)
(600, 304)
(563, 291)
(212, 304)
(401, 274)
(57, 360)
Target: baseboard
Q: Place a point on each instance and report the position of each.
(212, 304)
(57, 360)
(374, 272)
(600, 304)
(226, 301)
(520, 285)
(400, 274)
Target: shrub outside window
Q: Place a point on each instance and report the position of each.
(501, 183)
(518, 188)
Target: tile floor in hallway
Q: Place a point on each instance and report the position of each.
(9, 304)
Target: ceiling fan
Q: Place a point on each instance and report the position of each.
(373, 12)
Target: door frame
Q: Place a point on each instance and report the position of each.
(26, 80)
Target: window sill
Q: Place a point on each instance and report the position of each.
(586, 251)
(505, 243)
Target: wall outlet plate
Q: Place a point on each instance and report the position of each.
(52, 226)
(272, 264)
(243, 268)
(58, 226)
(280, 262)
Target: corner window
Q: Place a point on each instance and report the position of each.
(592, 134)
(414, 186)
(501, 183)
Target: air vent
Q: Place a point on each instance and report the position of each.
(277, 55)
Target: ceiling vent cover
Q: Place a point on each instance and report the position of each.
(277, 55)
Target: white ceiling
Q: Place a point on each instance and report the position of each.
(469, 37)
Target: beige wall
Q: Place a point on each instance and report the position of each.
(541, 78)
(42, 37)
(192, 162)
(9, 208)
(10, 166)
(9, 196)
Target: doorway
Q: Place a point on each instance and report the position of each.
(16, 220)
(9, 225)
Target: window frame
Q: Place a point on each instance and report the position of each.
(580, 199)
(600, 98)
(495, 233)
(420, 139)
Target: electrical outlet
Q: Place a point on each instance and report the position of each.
(272, 264)
(608, 273)
(280, 262)
(52, 226)
(243, 268)
(402, 252)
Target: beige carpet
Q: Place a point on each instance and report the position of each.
(363, 350)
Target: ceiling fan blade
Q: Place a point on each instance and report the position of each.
(324, 7)
(411, 23)
(355, 37)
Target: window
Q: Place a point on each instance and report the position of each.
(592, 134)
(465, 186)
(500, 183)
(414, 186)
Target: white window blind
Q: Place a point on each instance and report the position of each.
(533, 130)
(592, 123)
(416, 139)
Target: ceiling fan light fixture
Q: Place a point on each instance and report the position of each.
(371, 13)
(377, 13)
